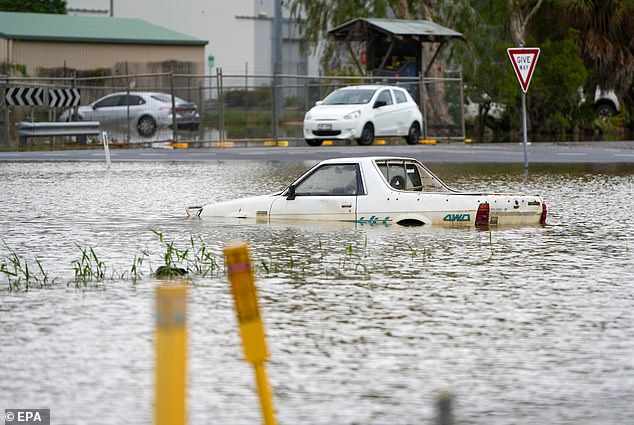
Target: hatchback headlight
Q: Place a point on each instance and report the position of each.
(353, 115)
(307, 117)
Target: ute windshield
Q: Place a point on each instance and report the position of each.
(349, 96)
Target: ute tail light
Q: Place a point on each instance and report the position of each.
(542, 219)
(482, 216)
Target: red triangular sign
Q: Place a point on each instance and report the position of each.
(523, 60)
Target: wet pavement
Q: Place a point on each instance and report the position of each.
(451, 152)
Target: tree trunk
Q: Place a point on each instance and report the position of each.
(518, 22)
(436, 103)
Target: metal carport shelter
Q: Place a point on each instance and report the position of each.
(386, 38)
(397, 33)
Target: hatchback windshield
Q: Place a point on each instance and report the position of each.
(349, 97)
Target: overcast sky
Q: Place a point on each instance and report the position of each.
(231, 40)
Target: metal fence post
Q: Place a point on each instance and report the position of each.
(221, 106)
(127, 102)
(174, 123)
(5, 112)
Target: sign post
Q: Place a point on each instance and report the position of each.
(171, 355)
(245, 297)
(523, 60)
(210, 64)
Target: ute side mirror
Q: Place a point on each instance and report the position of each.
(290, 193)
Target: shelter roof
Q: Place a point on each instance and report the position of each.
(420, 30)
(90, 29)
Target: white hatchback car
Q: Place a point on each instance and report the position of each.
(363, 112)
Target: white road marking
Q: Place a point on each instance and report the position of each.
(572, 153)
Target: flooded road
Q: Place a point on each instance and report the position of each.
(365, 324)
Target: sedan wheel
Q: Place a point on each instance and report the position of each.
(413, 134)
(314, 142)
(367, 135)
(146, 126)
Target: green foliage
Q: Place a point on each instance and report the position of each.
(574, 36)
(554, 91)
(89, 268)
(315, 17)
(8, 68)
(605, 34)
(195, 258)
(17, 271)
(259, 97)
(95, 72)
(34, 6)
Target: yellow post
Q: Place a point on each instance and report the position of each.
(251, 327)
(171, 359)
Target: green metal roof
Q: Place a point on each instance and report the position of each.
(89, 29)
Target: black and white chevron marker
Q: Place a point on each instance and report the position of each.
(24, 96)
(63, 97)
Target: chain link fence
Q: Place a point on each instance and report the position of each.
(230, 107)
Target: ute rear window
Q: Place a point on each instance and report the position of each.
(409, 176)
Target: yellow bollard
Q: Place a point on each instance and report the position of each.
(251, 327)
(171, 359)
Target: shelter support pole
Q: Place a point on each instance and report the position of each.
(387, 55)
(356, 61)
(433, 59)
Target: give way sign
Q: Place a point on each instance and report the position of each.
(523, 60)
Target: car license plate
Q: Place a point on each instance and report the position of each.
(324, 126)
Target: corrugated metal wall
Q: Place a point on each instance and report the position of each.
(85, 56)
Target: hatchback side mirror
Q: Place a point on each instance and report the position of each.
(379, 104)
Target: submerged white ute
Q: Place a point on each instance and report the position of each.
(380, 190)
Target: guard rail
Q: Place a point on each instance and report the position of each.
(51, 129)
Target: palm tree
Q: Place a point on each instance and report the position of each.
(606, 38)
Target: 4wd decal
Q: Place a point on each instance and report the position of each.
(457, 217)
(372, 220)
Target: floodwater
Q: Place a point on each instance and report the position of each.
(365, 324)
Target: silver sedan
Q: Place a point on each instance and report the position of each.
(146, 111)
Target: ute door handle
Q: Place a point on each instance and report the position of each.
(346, 205)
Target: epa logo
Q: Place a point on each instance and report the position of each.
(27, 416)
